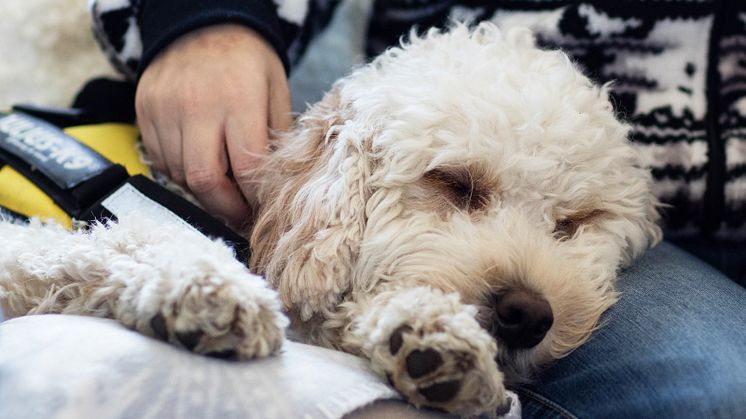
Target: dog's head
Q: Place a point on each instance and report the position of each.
(469, 161)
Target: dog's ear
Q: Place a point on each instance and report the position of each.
(311, 217)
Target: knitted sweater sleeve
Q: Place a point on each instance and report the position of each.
(133, 32)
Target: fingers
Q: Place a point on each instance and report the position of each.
(280, 104)
(149, 137)
(247, 132)
(246, 140)
(170, 141)
(148, 131)
(163, 143)
(205, 168)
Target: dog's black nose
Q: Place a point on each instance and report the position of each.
(523, 318)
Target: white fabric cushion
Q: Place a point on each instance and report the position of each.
(57, 366)
(72, 367)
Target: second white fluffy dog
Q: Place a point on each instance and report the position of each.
(456, 212)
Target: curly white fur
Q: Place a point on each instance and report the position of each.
(137, 271)
(456, 168)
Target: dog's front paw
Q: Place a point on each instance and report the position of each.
(222, 318)
(432, 367)
(431, 348)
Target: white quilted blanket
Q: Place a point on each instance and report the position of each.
(58, 366)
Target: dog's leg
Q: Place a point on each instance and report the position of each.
(164, 281)
(431, 348)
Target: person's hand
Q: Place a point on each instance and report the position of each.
(204, 106)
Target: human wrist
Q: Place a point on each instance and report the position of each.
(165, 21)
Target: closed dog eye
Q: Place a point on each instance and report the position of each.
(566, 227)
(463, 188)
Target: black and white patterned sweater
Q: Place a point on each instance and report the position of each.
(679, 68)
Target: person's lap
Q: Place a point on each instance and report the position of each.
(673, 346)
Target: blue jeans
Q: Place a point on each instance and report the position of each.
(673, 346)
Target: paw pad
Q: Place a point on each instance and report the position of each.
(441, 392)
(189, 339)
(158, 324)
(420, 363)
(227, 354)
(397, 339)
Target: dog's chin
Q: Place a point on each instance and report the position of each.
(519, 365)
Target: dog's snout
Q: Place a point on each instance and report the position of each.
(523, 318)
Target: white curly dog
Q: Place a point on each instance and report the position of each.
(456, 211)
